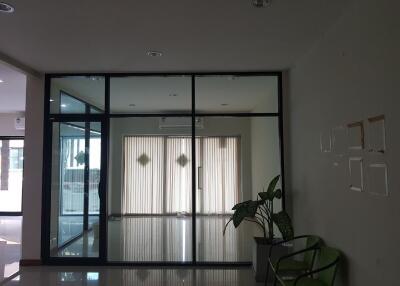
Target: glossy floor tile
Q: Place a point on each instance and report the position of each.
(10, 245)
(115, 276)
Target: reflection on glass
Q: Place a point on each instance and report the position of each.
(11, 171)
(75, 187)
(235, 94)
(236, 157)
(77, 94)
(151, 203)
(150, 94)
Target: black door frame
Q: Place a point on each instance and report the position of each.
(105, 118)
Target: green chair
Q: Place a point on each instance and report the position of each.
(287, 264)
(323, 275)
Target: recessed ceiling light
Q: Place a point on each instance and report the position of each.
(1, 81)
(51, 100)
(6, 8)
(63, 105)
(154, 53)
(261, 3)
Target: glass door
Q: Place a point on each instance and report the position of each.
(75, 189)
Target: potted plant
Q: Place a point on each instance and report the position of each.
(261, 213)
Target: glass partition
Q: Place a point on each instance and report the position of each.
(170, 186)
(236, 94)
(77, 95)
(150, 94)
(150, 189)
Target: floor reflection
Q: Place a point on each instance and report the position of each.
(114, 276)
(166, 238)
(10, 245)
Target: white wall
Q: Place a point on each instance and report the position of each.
(7, 124)
(351, 74)
(32, 184)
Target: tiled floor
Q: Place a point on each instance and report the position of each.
(10, 245)
(116, 276)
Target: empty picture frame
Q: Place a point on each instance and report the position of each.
(378, 179)
(356, 174)
(355, 133)
(376, 134)
(339, 140)
(325, 140)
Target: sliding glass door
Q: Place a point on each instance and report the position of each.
(145, 168)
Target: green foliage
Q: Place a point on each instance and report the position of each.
(262, 213)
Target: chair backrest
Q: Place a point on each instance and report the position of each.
(328, 257)
(312, 241)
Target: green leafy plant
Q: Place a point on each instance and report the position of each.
(261, 212)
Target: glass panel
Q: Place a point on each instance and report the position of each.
(236, 94)
(151, 94)
(77, 94)
(11, 172)
(236, 158)
(76, 154)
(150, 192)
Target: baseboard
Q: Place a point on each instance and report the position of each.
(30, 262)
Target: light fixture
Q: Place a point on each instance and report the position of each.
(132, 105)
(6, 8)
(1, 81)
(224, 104)
(154, 53)
(51, 100)
(261, 3)
(63, 105)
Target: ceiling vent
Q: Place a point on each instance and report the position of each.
(179, 122)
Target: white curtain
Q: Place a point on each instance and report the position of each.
(143, 175)
(158, 174)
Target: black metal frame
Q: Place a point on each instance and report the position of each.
(13, 138)
(104, 119)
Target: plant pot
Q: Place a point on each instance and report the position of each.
(261, 247)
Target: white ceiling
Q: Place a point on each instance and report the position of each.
(12, 90)
(206, 35)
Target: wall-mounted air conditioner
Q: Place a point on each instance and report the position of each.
(179, 122)
(19, 123)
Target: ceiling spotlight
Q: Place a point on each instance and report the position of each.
(6, 8)
(63, 105)
(154, 53)
(51, 100)
(1, 81)
(261, 3)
